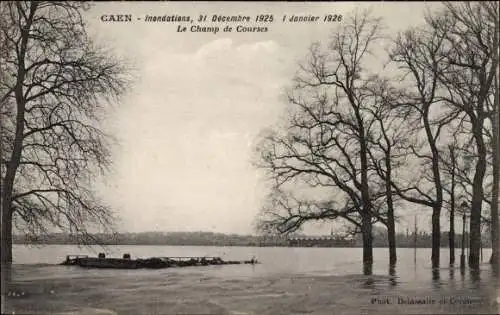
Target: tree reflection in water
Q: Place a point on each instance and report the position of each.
(436, 278)
(392, 275)
(368, 269)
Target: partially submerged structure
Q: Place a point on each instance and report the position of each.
(101, 261)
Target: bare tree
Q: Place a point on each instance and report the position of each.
(325, 143)
(495, 140)
(54, 88)
(453, 185)
(388, 154)
(470, 41)
(450, 167)
(457, 168)
(495, 228)
(412, 51)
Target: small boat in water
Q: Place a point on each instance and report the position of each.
(151, 263)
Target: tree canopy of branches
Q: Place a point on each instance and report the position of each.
(54, 87)
(462, 66)
(325, 143)
(411, 52)
(427, 135)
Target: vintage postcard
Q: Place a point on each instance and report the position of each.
(249, 157)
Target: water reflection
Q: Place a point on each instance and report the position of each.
(452, 280)
(369, 283)
(367, 269)
(448, 277)
(392, 275)
(475, 278)
(436, 278)
(436, 275)
(495, 271)
(370, 279)
(465, 278)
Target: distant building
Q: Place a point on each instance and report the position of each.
(320, 241)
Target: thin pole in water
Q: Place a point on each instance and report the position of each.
(462, 256)
(467, 243)
(415, 242)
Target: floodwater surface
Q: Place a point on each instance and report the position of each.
(288, 281)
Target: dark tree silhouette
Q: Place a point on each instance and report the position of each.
(340, 135)
(450, 164)
(388, 151)
(411, 51)
(469, 33)
(325, 142)
(495, 228)
(55, 84)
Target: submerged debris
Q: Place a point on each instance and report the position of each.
(152, 263)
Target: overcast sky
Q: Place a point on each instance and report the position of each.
(187, 127)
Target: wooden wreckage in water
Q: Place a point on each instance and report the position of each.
(151, 263)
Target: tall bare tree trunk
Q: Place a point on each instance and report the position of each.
(6, 242)
(452, 208)
(366, 231)
(477, 199)
(436, 236)
(367, 209)
(391, 229)
(438, 202)
(15, 158)
(6, 247)
(495, 244)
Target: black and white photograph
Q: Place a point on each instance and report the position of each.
(249, 158)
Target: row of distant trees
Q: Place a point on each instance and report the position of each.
(421, 239)
(361, 146)
(149, 238)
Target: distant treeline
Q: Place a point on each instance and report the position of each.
(423, 240)
(219, 239)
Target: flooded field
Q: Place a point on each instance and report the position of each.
(289, 281)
